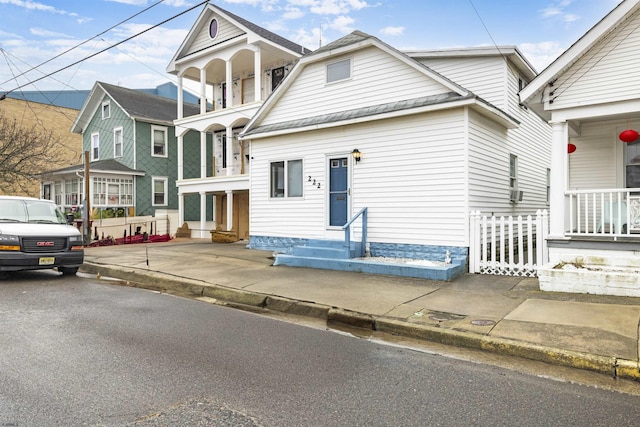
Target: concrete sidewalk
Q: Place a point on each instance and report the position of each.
(507, 315)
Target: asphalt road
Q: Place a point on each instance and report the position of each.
(79, 351)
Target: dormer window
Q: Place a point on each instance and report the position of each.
(213, 28)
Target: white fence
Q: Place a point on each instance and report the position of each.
(507, 245)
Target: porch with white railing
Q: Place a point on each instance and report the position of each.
(606, 213)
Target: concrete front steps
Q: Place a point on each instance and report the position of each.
(333, 255)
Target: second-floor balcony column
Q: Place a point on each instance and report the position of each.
(203, 154)
(203, 91)
(559, 141)
(231, 162)
(229, 81)
(257, 66)
(180, 99)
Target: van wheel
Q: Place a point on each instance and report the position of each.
(68, 271)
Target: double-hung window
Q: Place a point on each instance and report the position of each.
(160, 189)
(95, 146)
(159, 146)
(513, 172)
(117, 142)
(286, 178)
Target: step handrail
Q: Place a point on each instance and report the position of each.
(347, 230)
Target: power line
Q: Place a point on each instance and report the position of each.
(106, 49)
(80, 44)
(487, 30)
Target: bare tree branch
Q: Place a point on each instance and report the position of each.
(25, 153)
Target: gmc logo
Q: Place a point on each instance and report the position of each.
(44, 244)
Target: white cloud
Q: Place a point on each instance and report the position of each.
(558, 11)
(41, 32)
(32, 5)
(342, 24)
(392, 31)
(293, 13)
(541, 54)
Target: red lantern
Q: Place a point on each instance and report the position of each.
(628, 135)
(571, 148)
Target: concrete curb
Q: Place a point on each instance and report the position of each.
(617, 368)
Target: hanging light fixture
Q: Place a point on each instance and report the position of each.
(628, 135)
(571, 148)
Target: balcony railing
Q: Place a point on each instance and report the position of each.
(609, 212)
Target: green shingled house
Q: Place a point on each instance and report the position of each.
(130, 138)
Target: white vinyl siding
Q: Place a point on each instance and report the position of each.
(597, 162)
(479, 75)
(489, 149)
(377, 78)
(411, 178)
(603, 75)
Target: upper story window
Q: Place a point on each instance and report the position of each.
(513, 172)
(159, 141)
(117, 142)
(213, 28)
(95, 146)
(106, 110)
(340, 70)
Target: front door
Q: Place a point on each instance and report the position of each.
(338, 191)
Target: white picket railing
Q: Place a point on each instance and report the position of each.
(507, 245)
(606, 212)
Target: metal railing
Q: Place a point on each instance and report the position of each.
(347, 231)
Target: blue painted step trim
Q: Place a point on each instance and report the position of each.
(330, 249)
(445, 273)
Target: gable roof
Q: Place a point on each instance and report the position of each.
(357, 40)
(137, 105)
(246, 26)
(532, 94)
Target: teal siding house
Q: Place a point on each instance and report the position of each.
(133, 165)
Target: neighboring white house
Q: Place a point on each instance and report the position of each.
(236, 65)
(591, 95)
(438, 133)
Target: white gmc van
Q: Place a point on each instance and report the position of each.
(34, 235)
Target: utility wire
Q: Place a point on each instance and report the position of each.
(105, 49)
(80, 44)
(487, 30)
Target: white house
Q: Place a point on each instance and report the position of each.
(234, 65)
(416, 140)
(591, 97)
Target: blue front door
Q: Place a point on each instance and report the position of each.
(338, 191)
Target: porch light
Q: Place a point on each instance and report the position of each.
(356, 155)
(571, 148)
(628, 135)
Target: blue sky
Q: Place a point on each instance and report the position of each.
(34, 31)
